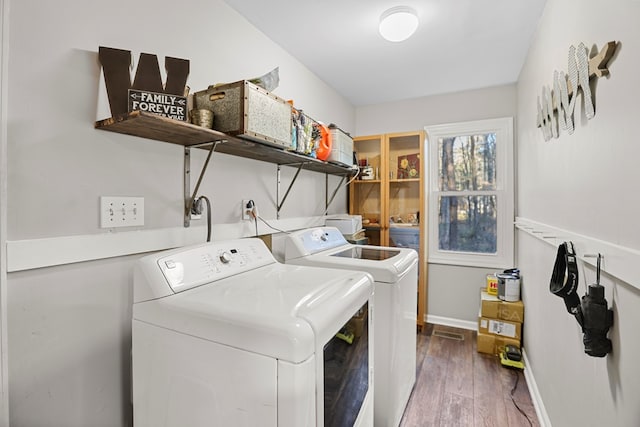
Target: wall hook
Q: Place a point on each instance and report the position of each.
(599, 259)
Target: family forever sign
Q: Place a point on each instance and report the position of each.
(172, 106)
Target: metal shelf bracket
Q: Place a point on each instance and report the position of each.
(188, 197)
(328, 200)
(281, 203)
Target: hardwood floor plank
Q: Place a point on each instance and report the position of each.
(488, 397)
(456, 411)
(425, 403)
(439, 347)
(422, 345)
(457, 386)
(460, 366)
(520, 396)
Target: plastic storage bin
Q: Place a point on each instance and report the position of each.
(405, 237)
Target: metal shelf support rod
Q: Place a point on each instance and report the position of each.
(204, 144)
(335, 192)
(188, 197)
(280, 204)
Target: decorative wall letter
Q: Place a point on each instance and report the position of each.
(557, 106)
(116, 64)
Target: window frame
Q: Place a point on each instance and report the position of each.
(504, 192)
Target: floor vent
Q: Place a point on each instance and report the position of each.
(448, 335)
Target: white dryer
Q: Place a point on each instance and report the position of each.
(395, 274)
(223, 335)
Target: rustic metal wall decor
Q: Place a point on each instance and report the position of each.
(556, 108)
(147, 93)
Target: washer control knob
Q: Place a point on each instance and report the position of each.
(225, 257)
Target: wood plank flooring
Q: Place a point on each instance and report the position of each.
(457, 386)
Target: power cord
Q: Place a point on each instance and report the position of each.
(271, 227)
(354, 177)
(196, 209)
(513, 390)
(252, 211)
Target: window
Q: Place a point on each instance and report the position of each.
(471, 193)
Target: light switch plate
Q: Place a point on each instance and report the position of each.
(121, 211)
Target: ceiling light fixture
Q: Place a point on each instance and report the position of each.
(398, 23)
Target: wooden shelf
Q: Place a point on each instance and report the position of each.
(394, 181)
(152, 126)
(367, 181)
(375, 226)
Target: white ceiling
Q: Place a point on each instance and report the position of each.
(459, 45)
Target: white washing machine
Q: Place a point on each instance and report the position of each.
(395, 274)
(223, 335)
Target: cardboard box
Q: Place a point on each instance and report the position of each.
(494, 344)
(494, 308)
(502, 328)
(357, 322)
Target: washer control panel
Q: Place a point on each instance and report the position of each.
(194, 266)
(314, 240)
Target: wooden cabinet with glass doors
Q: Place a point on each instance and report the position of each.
(389, 196)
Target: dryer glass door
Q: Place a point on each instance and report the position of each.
(346, 371)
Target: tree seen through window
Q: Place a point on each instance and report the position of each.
(467, 200)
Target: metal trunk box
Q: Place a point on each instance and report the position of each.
(245, 110)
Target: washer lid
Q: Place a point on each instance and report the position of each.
(359, 252)
(281, 311)
(387, 270)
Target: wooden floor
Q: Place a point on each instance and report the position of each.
(457, 386)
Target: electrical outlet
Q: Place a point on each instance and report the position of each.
(121, 211)
(247, 206)
(193, 213)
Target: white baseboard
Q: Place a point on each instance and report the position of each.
(455, 323)
(538, 404)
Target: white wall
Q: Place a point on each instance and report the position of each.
(415, 114)
(453, 294)
(59, 161)
(69, 326)
(4, 374)
(585, 183)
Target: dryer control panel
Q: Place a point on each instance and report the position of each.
(185, 268)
